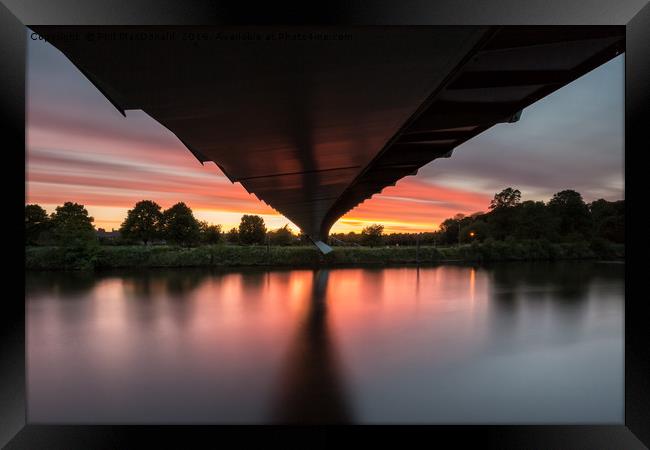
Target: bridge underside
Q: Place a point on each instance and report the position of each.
(314, 121)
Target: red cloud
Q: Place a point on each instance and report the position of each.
(95, 166)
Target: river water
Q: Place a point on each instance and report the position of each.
(501, 343)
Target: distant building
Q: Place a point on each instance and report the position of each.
(109, 235)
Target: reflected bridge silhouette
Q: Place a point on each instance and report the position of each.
(312, 389)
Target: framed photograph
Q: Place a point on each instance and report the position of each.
(375, 222)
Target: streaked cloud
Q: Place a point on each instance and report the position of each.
(81, 149)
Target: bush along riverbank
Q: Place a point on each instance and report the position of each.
(107, 257)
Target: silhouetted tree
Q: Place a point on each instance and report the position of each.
(572, 213)
(252, 230)
(608, 220)
(143, 223)
(372, 235)
(507, 198)
(180, 226)
(350, 238)
(233, 236)
(501, 218)
(72, 226)
(282, 236)
(401, 239)
(534, 221)
(601, 209)
(36, 222)
(210, 234)
(449, 231)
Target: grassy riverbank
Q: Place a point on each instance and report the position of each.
(108, 257)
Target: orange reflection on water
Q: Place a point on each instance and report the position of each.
(472, 284)
(337, 345)
(361, 296)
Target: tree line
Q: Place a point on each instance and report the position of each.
(564, 218)
(146, 223)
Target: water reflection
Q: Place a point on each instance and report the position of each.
(311, 389)
(148, 284)
(69, 286)
(560, 289)
(509, 343)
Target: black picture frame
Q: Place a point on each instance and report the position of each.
(634, 15)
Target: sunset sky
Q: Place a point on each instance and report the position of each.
(81, 149)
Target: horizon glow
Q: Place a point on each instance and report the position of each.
(80, 149)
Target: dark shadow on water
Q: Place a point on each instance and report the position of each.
(561, 290)
(65, 285)
(566, 282)
(145, 284)
(311, 389)
(147, 290)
